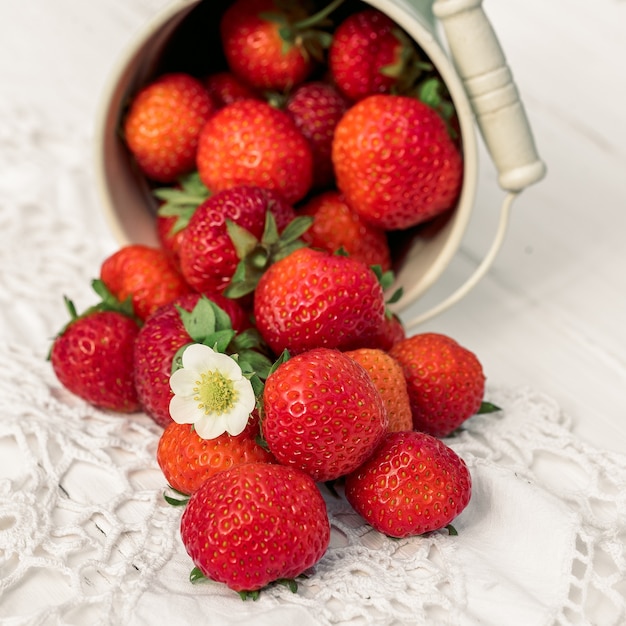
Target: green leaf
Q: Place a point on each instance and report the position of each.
(296, 228)
(177, 361)
(250, 595)
(205, 319)
(451, 530)
(255, 362)
(488, 407)
(243, 240)
(219, 340)
(196, 576)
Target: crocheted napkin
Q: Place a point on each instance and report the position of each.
(86, 536)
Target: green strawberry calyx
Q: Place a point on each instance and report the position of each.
(208, 324)
(181, 201)
(296, 28)
(107, 302)
(255, 256)
(198, 576)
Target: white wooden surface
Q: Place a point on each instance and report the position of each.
(551, 312)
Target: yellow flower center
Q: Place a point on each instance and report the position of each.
(215, 393)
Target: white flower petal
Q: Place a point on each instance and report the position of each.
(183, 381)
(211, 426)
(227, 366)
(184, 411)
(199, 358)
(245, 395)
(237, 422)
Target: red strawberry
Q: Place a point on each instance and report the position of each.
(369, 54)
(395, 162)
(208, 256)
(411, 485)
(388, 377)
(161, 337)
(250, 142)
(445, 381)
(264, 45)
(145, 275)
(336, 226)
(163, 123)
(225, 88)
(93, 358)
(187, 460)
(254, 524)
(316, 108)
(322, 413)
(313, 299)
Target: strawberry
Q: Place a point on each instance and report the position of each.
(163, 123)
(337, 227)
(208, 255)
(161, 337)
(388, 377)
(225, 88)
(271, 44)
(250, 142)
(369, 54)
(92, 356)
(316, 108)
(254, 524)
(145, 275)
(311, 299)
(411, 485)
(395, 161)
(322, 413)
(445, 381)
(187, 460)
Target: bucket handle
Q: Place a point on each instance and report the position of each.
(500, 115)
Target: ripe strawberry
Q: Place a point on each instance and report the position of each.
(445, 381)
(160, 338)
(187, 460)
(369, 54)
(388, 378)
(250, 142)
(313, 299)
(411, 485)
(316, 108)
(336, 226)
(208, 255)
(395, 162)
(163, 123)
(92, 357)
(254, 524)
(322, 413)
(225, 88)
(145, 275)
(271, 44)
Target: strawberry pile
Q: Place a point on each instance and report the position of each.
(258, 335)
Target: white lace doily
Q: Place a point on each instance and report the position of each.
(87, 538)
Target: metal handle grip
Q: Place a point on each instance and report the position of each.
(500, 115)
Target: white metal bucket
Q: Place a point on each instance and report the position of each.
(469, 60)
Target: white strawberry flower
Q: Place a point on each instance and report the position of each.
(211, 392)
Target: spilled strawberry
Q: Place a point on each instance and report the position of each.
(275, 521)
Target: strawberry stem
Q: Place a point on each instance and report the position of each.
(316, 18)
